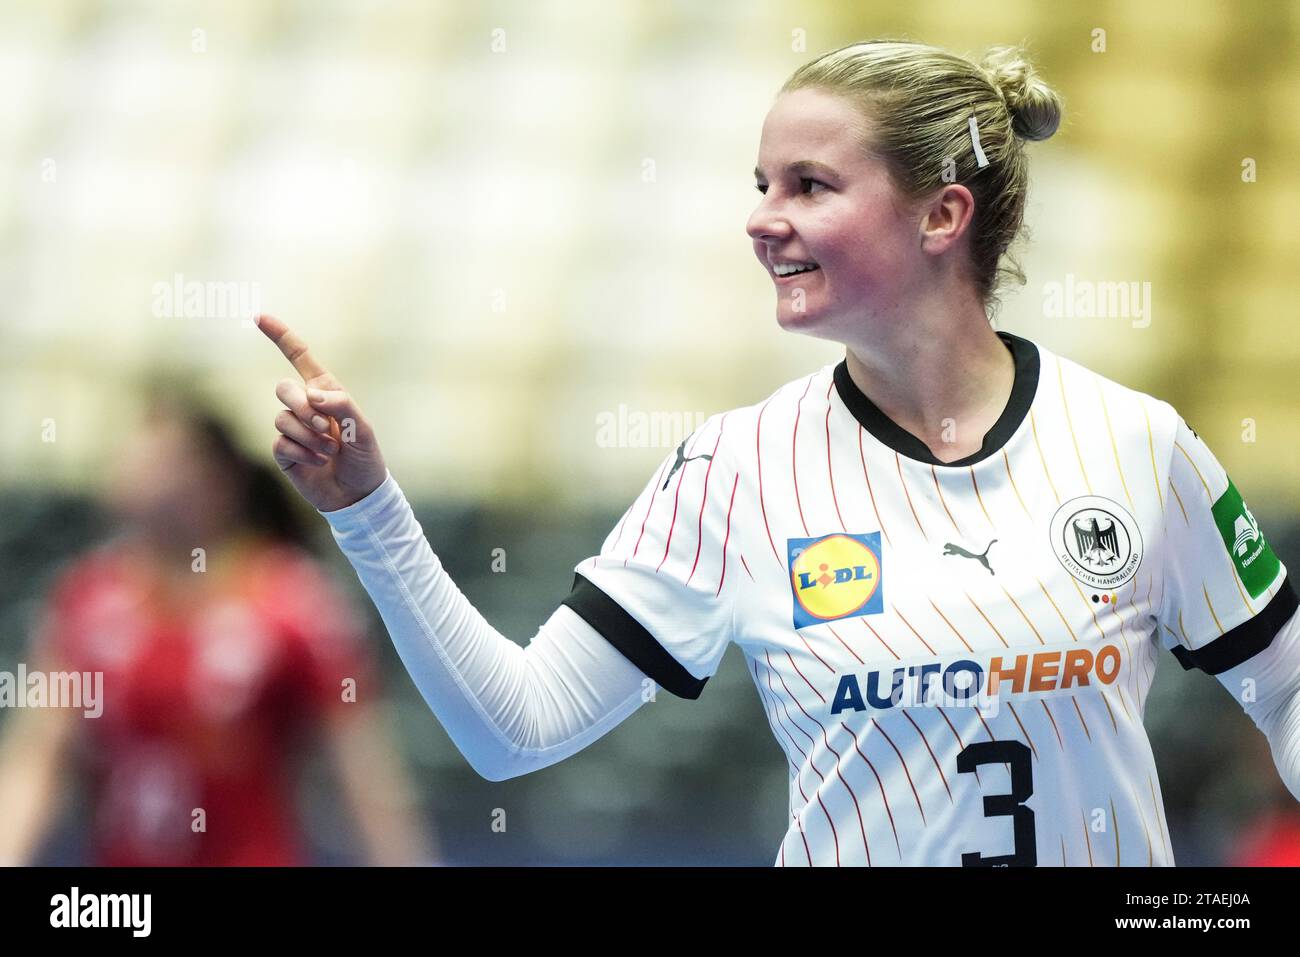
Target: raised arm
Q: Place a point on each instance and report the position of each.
(509, 709)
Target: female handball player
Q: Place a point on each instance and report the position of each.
(955, 555)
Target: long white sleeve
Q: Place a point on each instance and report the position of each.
(1272, 677)
(509, 709)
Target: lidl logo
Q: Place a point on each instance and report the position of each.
(1256, 563)
(835, 576)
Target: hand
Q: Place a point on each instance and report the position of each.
(326, 447)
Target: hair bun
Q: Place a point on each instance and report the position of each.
(1034, 106)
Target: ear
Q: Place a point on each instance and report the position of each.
(946, 218)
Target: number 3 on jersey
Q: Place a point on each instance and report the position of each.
(1016, 755)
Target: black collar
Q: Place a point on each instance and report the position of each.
(1025, 354)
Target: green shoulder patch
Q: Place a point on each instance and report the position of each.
(1255, 561)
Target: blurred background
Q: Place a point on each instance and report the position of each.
(504, 224)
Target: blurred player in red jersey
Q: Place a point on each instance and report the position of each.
(216, 668)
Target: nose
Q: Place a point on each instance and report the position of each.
(766, 223)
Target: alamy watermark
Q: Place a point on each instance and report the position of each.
(1088, 299)
(77, 909)
(631, 428)
(54, 689)
(213, 299)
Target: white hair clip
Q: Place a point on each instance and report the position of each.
(980, 158)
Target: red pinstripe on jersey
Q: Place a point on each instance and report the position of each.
(649, 507)
(677, 494)
(794, 454)
(730, 505)
(830, 469)
(867, 478)
(762, 501)
(699, 537)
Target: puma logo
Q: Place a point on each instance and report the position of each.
(950, 549)
(682, 460)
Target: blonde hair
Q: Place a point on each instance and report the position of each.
(917, 100)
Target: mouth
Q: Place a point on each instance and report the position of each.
(785, 273)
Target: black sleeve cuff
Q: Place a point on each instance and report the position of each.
(1246, 640)
(630, 637)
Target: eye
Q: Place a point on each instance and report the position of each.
(762, 187)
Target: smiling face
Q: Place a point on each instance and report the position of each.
(826, 202)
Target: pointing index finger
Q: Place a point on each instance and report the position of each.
(294, 349)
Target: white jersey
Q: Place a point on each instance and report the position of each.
(954, 658)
